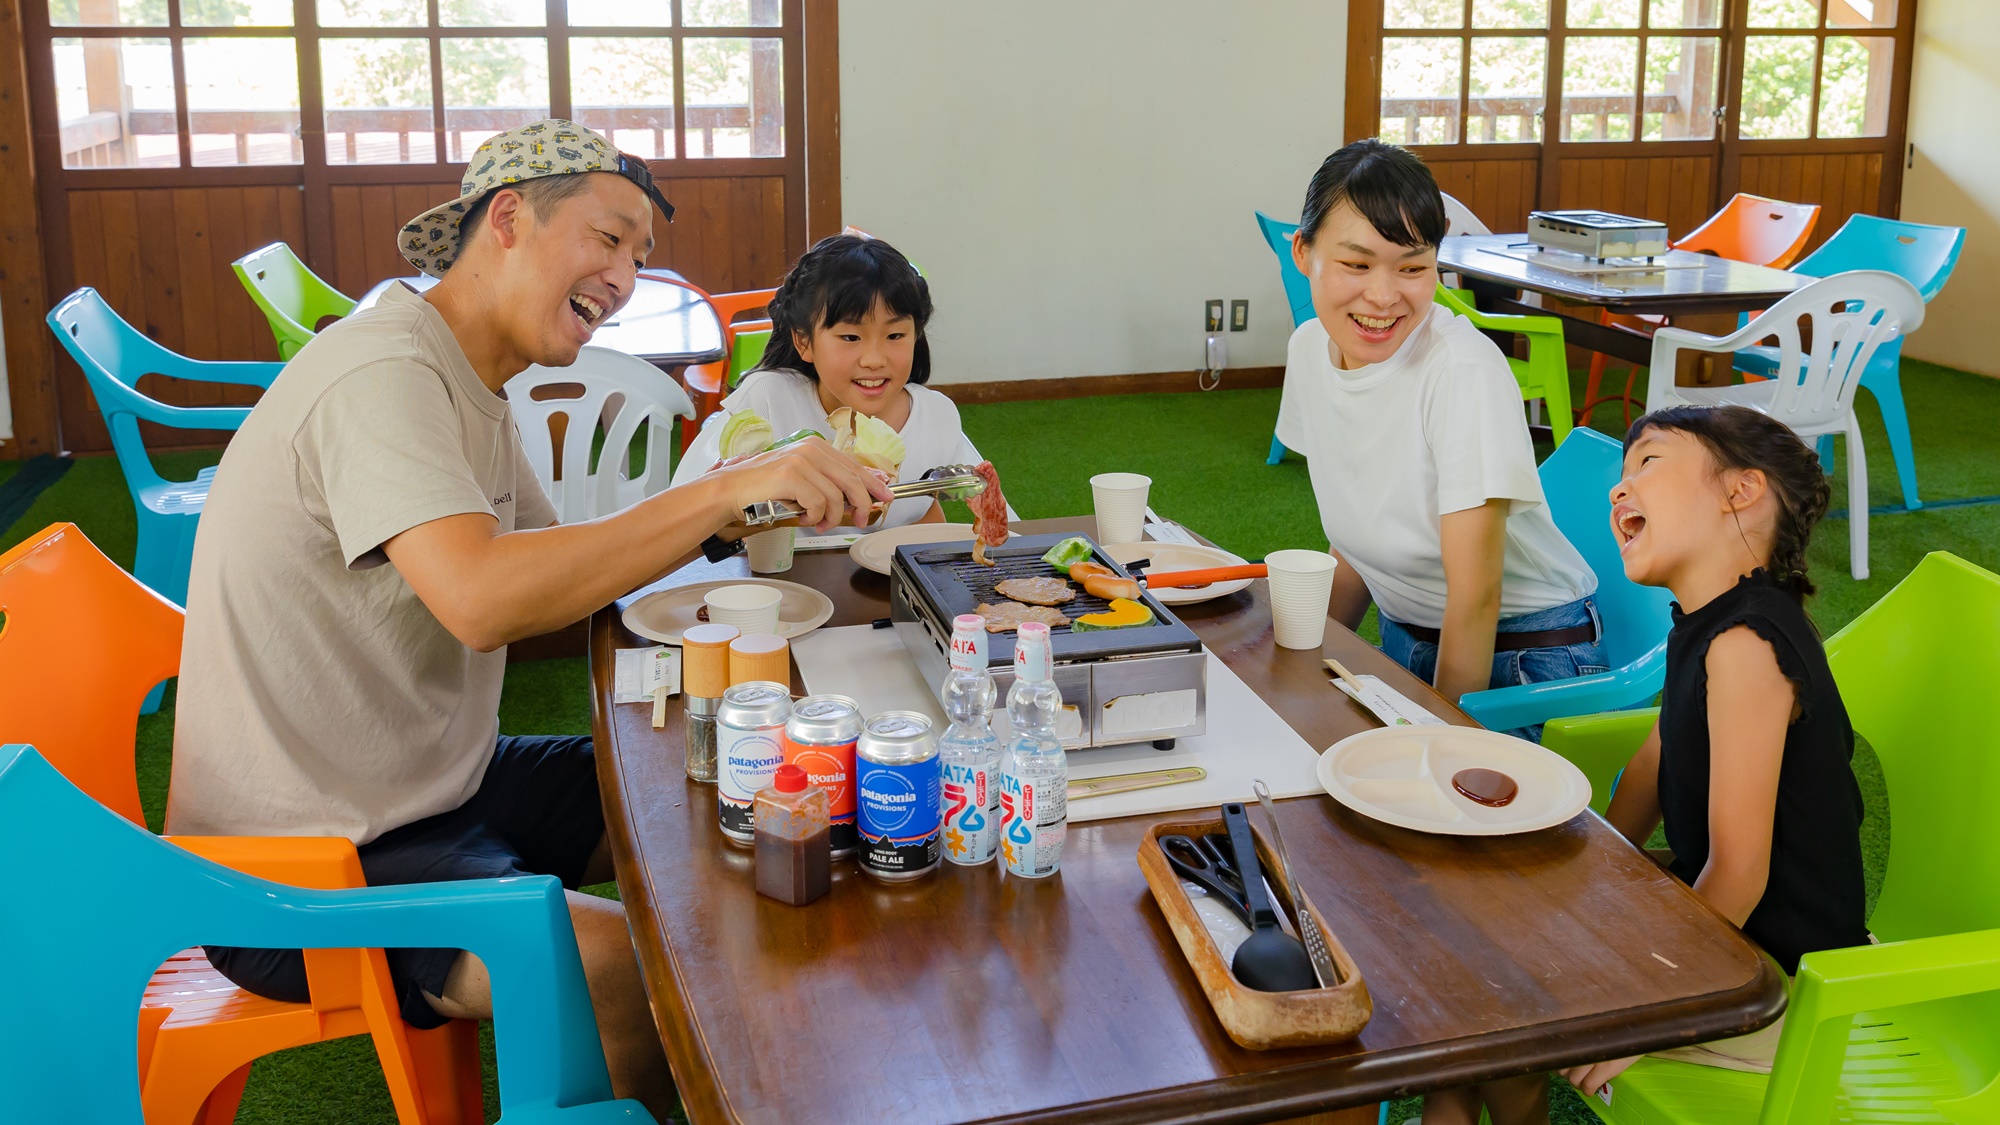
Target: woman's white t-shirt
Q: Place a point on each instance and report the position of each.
(790, 402)
(1391, 447)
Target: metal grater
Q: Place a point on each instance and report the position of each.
(1315, 939)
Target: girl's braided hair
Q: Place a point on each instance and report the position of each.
(838, 281)
(1740, 438)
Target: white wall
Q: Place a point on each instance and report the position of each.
(1956, 177)
(1076, 178)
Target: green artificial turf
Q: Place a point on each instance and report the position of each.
(1205, 453)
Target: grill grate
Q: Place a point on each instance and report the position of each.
(981, 580)
(937, 583)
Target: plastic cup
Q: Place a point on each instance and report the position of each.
(1121, 506)
(1301, 590)
(752, 609)
(771, 551)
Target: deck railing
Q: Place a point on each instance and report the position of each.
(1523, 111)
(376, 135)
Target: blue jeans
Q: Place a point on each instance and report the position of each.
(1523, 666)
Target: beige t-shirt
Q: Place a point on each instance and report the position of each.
(318, 695)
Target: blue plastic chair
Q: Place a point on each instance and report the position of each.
(1577, 480)
(69, 1045)
(1298, 293)
(1921, 255)
(114, 355)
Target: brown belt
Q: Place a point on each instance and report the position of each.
(1515, 642)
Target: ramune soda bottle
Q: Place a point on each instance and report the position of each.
(969, 750)
(1034, 773)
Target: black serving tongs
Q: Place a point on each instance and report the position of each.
(946, 482)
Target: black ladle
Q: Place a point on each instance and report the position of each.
(1269, 960)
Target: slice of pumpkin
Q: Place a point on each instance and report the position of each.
(1123, 614)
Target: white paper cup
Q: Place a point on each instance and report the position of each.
(752, 609)
(771, 551)
(1301, 590)
(1121, 506)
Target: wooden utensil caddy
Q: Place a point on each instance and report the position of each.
(1257, 1020)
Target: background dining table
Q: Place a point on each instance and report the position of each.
(966, 996)
(666, 325)
(1690, 285)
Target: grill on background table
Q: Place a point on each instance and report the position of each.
(1143, 684)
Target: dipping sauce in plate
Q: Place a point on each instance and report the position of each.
(1487, 787)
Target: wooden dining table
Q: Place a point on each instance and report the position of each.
(1689, 284)
(667, 325)
(966, 996)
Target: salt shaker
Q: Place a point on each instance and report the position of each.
(704, 677)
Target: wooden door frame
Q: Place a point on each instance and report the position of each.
(35, 240)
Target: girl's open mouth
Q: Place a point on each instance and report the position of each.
(870, 386)
(1374, 329)
(1630, 523)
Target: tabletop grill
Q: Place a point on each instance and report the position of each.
(1144, 684)
(1597, 234)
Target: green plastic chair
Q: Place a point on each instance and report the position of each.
(1545, 373)
(293, 298)
(747, 354)
(1908, 1030)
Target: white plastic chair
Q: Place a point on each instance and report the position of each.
(1459, 218)
(634, 402)
(1851, 315)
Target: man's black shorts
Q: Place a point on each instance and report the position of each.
(536, 813)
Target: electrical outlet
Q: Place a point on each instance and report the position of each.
(1239, 315)
(1215, 315)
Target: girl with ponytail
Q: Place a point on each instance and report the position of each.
(1749, 764)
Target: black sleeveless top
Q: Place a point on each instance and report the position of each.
(1813, 899)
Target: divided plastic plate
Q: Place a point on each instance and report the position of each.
(877, 550)
(1402, 776)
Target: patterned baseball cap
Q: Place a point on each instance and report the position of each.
(550, 147)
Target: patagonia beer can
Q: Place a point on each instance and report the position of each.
(820, 739)
(749, 748)
(899, 805)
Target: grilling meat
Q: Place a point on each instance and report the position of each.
(1036, 591)
(1007, 616)
(989, 513)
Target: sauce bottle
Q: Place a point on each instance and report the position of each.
(794, 855)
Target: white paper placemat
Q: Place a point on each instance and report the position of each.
(1246, 738)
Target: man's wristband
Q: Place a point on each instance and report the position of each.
(715, 548)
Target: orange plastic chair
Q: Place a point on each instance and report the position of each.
(1749, 228)
(81, 645)
(708, 383)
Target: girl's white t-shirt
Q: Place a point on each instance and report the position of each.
(1391, 447)
(790, 402)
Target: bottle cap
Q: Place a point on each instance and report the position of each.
(968, 643)
(1032, 657)
(790, 778)
(760, 656)
(705, 659)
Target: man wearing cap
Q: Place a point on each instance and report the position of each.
(375, 537)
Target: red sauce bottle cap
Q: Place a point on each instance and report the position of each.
(790, 778)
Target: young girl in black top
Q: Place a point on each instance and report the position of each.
(1749, 764)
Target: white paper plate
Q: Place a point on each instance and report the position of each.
(1180, 556)
(877, 549)
(665, 615)
(1402, 776)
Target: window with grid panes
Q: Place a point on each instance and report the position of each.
(411, 81)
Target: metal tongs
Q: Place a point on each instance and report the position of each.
(946, 482)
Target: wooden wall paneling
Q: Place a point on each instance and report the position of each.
(1500, 191)
(380, 221)
(757, 256)
(30, 351)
